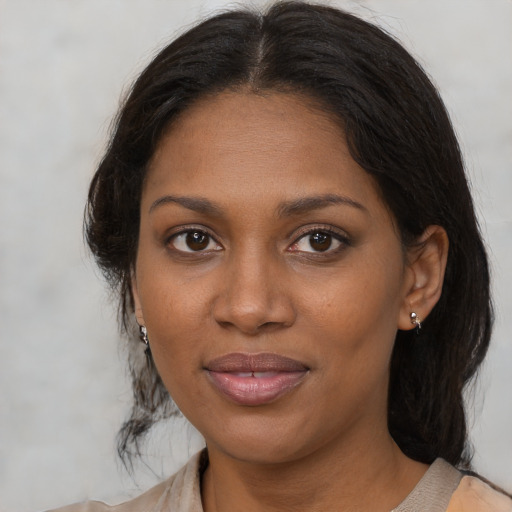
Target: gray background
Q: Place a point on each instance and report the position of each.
(63, 66)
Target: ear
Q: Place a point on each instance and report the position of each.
(136, 300)
(426, 264)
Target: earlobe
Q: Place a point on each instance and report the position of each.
(143, 332)
(426, 265)
(136, 300)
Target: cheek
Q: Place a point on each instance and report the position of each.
(355, 325)
(174, 320)
(169, 313)
(174, 314)
(356, 297)
(169, 298)
(354, 318)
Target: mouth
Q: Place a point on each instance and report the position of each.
(255, 379)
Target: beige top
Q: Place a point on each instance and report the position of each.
(442, 489)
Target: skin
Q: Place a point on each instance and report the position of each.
(260, 286)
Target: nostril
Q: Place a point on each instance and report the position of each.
(270, 326)
(252, 307)
(254, 328)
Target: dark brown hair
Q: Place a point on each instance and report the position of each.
(397, 129)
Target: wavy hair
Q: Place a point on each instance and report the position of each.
(397, 129)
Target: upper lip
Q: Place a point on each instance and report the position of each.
(262, 362)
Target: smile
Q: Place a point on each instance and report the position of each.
(255, 379)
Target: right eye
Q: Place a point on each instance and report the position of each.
(194, 240)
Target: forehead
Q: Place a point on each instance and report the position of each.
(239, 144)
(232, 119)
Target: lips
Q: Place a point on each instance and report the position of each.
(255, 379)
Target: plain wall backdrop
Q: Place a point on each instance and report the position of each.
(63, 67)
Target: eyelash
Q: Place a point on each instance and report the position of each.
(189, 231)
(342, 239)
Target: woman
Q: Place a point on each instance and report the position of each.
(284, 211)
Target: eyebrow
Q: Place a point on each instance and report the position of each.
(286, 209)
(307, 204)
(196, 204)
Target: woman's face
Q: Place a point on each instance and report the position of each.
(271, 278)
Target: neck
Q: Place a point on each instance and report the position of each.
(371, 475)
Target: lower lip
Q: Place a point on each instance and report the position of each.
(249, 390)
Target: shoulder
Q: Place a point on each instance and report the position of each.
(474, 495)
(179, 493)
(146, 501)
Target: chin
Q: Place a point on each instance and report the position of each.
(269, 442)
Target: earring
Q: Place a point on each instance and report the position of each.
(415, 320)
(143, 335)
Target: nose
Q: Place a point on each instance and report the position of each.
(255, 297)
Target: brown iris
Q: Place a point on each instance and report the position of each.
(197, 241)
(320, 241)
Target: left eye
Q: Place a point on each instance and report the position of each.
(317, 241)
(194, 241)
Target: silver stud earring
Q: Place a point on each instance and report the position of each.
(415, 320)
(143, 335)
